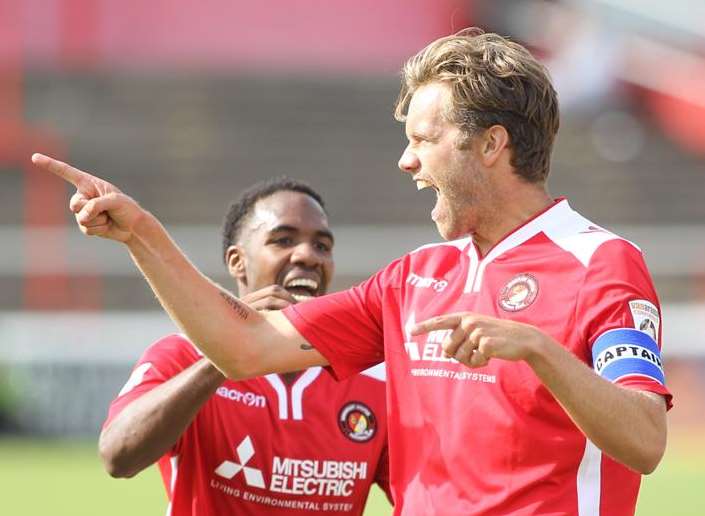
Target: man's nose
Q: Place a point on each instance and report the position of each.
(408, 162)
(306, 253)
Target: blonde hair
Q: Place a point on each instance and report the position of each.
(493, 81)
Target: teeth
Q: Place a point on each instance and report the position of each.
(421, 184)
(303, 282)
(300, 298)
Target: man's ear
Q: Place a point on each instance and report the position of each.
(495, 140)
(235, 260)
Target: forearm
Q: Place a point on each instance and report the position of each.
(223, 328)
(628, 425)
(150, 425)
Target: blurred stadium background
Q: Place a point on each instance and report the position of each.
(182, 104)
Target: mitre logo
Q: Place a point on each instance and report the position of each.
(245, 451)
(417, 281)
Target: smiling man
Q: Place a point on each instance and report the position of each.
(520, 378)
(279, 444)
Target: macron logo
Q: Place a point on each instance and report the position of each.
(245, 451)
(420, 282)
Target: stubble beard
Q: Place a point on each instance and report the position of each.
(462, 208)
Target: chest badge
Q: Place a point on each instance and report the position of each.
(357, 422)
(519, 293)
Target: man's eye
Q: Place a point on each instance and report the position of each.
(283, 241)
(323, 247)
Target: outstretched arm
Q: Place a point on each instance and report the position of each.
(238, 340)
(627, 424)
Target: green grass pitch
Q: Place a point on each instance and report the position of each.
(67, 479)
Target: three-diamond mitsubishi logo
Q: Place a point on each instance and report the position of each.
(245, 451)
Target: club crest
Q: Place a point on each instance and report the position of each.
(519, 293)
(357, 422)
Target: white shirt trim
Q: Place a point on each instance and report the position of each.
(174, 463)
(460, 243)
(378, 372)
(561, 224)
(588, 481)
(280, 389)
(297, 390)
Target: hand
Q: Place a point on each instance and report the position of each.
(101, 208)
(273, 297)
(475, 339)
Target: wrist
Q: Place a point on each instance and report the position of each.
(143, 226)
(541, 350)
(211, 372)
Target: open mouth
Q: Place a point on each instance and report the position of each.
(422, 184)
(302, 288)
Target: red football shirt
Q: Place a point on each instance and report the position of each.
(261, 447)
(493, 440)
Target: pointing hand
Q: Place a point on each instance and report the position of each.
(475, 339)
(101, 209)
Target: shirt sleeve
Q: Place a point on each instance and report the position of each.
(161, 361)
(619, 318)
(347, 327)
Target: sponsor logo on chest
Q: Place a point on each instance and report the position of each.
(289, 476)
(246, 398)
(431, 350)
(437, 285)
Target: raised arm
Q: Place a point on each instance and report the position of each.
(240, 342)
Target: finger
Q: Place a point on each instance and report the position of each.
(282, 293)
(77, 202)
(488, 347)
(89, 212)
(463, 352)
(98, 230)
(441, 322)
(93, 208)
(61, 169)
(478, 359)
(278, 304)
(268, 292)
(452, 342)
(270, 303)
(101, 219)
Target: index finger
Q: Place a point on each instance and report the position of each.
(271, 291)
(61, 169)
(440, 322)
(281, 292)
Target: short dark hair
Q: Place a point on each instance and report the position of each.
(241, 209)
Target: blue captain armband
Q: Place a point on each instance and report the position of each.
(626, 352)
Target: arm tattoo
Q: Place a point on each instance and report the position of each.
(306, 347)
(239, 308)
